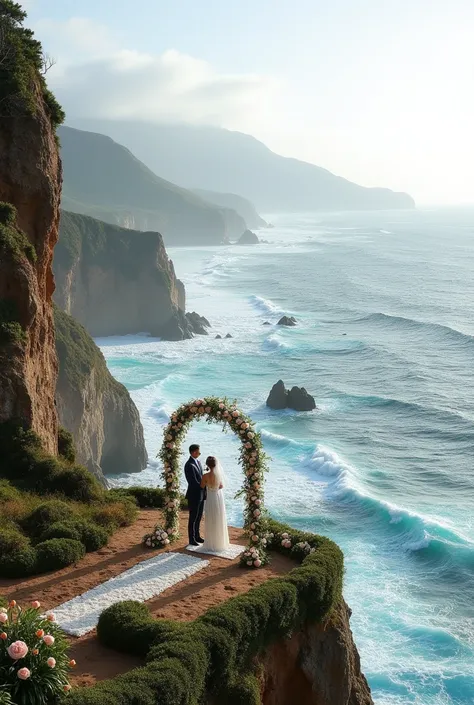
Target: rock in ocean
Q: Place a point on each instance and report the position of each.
(296, 398)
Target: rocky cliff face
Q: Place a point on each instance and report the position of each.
(30, 180)
(94, 407)
(318, 665)
(117, 281)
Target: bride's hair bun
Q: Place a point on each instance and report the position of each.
(211, 461)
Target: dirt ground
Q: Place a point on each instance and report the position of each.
(184, 601)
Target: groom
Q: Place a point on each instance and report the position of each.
(195, 494)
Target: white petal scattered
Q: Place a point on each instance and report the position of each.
(142, 582)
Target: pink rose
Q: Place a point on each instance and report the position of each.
(193, 409)
(249, 562)
(250, 434)
(48, 639)
(252, 461)
(51, 662)
(257, 563)
(235, 414)
(239, 422)
(208, 409)
(67, 688)
(170, 445)
(36, 605)
(258, 502)
(23, 674)
(256, 512)
(248, 445)
(3, 618)
(17, 650)
(255, 538)
(198, 402)
(201, 410)
(221, 405)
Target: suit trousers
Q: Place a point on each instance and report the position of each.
(196, 509)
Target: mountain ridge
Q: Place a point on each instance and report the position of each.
(215, 159)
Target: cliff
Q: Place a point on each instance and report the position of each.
(93, 406)
(240, 205)
(117, 281)
(318, 665)
(104, 180)
(215, 159)
(30, 185)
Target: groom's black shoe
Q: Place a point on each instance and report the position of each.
(193, 543)
(200, 540)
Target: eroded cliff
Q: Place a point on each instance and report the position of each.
(30, 186)
(93, 406)
(117, 281)
(318, 665)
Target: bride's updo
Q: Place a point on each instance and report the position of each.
(211, 462)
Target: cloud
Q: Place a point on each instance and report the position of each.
(95, 77)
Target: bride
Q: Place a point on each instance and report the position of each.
(217, 535)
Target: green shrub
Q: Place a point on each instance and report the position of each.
(11, 541)
(23, 462)
(113, 515)
(8, 213)
(145, 497)
(58, 553)
(66, 447)
(77, 483)
(19, 563)
(142, 630)
(244, 691)
(8, 493)
(93, 537)
(45, 515)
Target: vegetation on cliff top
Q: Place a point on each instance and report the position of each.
(214, 655)
(51, 510)
(22, 67)
(107, 246)
(79, 356)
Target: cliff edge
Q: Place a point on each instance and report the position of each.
(117, 281)
(93, 406)
(318, 665)
(30, 186)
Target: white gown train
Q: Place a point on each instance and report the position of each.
(216, 536)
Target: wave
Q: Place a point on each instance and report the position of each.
(431, 539)
(398, 322)
(407, 408)
(273, 342)
(265, 306)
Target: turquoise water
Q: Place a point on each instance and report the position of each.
(385, 342)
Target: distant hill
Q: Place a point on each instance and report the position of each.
(211, 158)
(241, 205)
(104, 180)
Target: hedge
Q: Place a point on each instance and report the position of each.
(92, 536)
(214, 654)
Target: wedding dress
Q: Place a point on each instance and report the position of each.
(216, 532)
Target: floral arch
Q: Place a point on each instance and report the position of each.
(252, 459)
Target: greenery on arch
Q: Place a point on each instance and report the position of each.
(252, 460)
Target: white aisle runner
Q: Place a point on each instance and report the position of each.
(142, 582)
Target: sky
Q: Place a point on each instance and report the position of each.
(378, 91)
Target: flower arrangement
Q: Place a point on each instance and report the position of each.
(34, 664)
(252, 459)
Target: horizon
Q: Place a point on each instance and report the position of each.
(365, 93)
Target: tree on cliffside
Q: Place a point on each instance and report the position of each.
(22, 65)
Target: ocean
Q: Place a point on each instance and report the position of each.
(385, 342)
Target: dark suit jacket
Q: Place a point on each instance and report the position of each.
(193, 471)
